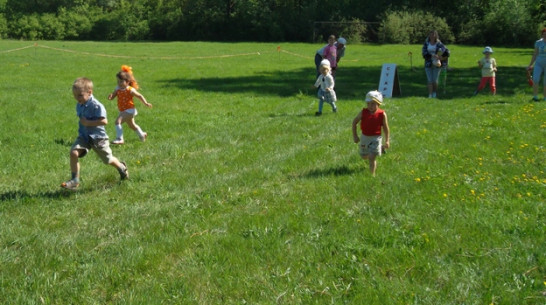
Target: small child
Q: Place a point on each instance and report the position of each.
(372, 120)
(489, 67)
(325, 83)
(91, 133)
(125, 91)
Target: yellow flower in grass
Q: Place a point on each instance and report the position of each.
(417, 179)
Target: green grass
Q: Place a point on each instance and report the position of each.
(242, 196)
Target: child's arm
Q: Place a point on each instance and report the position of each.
(386, 130)
(113, 94)
(93, 123)
(141, 98)
(355, 122)
(494, 64)
(317, 82)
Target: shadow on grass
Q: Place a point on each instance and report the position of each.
(61, 193)
(342, 170)
(22, 195)
(354, 82)
(63, 142)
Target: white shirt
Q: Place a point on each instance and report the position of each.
(325, 81)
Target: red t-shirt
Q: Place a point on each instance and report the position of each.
(371, 123)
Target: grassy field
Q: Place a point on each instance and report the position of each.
(242, 196)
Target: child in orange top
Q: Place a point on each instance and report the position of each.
(125, 91)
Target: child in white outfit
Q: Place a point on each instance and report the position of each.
(325, 83)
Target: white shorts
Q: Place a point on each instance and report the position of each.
(132, 112)
(370, 145)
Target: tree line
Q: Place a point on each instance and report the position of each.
(494, 22)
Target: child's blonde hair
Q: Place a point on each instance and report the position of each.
(83, 84)
(325, 67)
(126, 74)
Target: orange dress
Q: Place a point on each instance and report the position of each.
(125, 99)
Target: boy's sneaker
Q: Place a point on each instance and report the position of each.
(70, 185)
(335, 110)
(318, 113)
(124, 174)
(143, 137)
(118, 141)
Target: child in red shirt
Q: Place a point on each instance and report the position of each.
(372, 119)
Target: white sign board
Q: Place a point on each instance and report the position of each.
(389, 85)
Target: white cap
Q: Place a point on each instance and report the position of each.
(487, 50)
(342, 40)
(325, 62)
(374, 96)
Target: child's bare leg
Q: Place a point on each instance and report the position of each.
(131, 123)
(372, 161)
(141, 134)
(75, 164)
(121, 167)
(373, 164)
(119, 119)
(74, 181)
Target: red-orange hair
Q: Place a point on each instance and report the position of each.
(126, 74)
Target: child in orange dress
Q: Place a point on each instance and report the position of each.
(125, 91)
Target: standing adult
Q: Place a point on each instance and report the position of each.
(433, 50)
(539, 59)
(339, 45)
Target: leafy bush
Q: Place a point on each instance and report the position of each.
(76, 24)
(509, 23)
(412, 27)
(51, 27)
(354, 31)
(25, 27)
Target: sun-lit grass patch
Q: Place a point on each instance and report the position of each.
(241, 195)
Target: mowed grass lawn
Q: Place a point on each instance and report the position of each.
(242, 196)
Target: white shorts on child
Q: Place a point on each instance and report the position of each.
(370, 145)
(129, 112)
